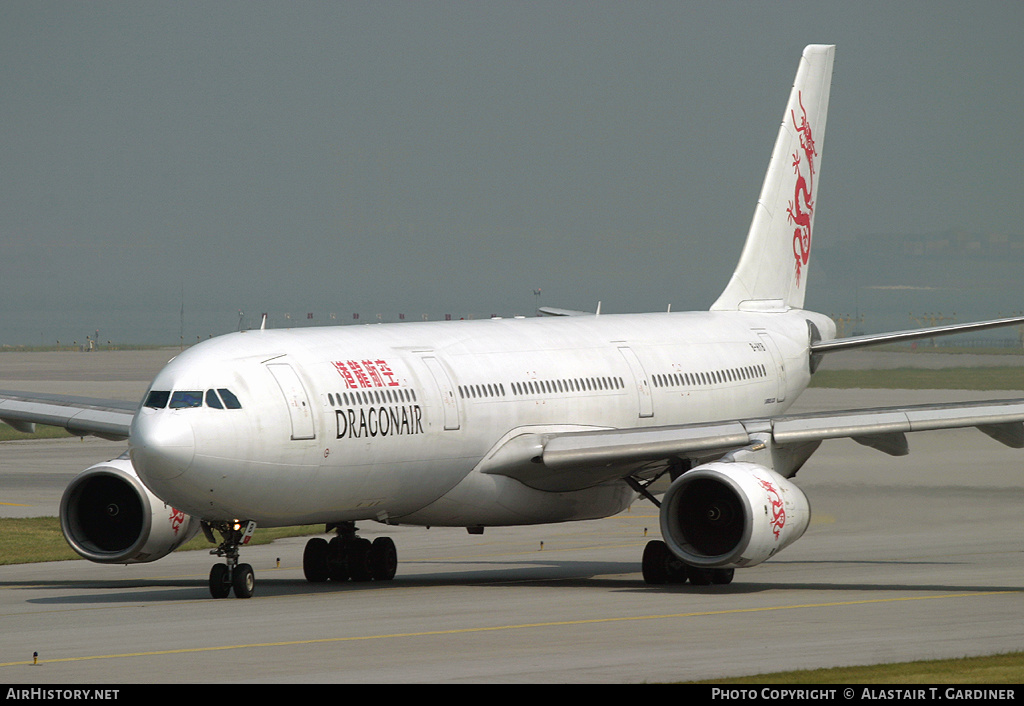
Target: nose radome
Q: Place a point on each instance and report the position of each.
(161, 444)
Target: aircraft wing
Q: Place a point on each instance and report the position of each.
(573, 460)
(555, 311)
(82, 416)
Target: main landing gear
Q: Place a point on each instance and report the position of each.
(661, 566)
(347, 556)
(231, 575)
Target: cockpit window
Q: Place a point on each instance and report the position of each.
(230, 401)
(186, 398)
(212, 400)
(157, 399)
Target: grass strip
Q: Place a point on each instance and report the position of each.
(995, 669)
(32, 539)
(43, 431)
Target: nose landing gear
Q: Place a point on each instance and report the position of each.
(231, 575)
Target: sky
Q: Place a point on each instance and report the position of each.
(168, 170)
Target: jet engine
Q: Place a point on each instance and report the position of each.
(108, 516)
(731, 514)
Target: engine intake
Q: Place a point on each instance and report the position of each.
(108, 516)
(732, 514)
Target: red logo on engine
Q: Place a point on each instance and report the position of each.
(177, 519)
(778, 520)
(801, 208)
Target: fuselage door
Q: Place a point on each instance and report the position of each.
(447, 391)
(643, 386)
(780, 363)
(296, 398)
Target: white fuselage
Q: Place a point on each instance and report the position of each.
(392, 422)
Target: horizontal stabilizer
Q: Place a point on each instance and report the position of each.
(854, 342)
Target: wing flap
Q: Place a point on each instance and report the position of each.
(1002, 414)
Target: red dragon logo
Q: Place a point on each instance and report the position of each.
(801, 208)
(177, 519)
(778, 510)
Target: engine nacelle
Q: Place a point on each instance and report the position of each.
(108, 516)
(732, 514)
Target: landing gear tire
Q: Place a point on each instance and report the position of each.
(357, 559)
(655, 563)
(337, 560)
(660, 565)
(315, 560)
(722, 576)
(243, 581)
(349, 557)
(383, 559)
(698, 576)
(220, 582)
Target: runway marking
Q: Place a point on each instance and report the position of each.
(497, 628)
(15, 505)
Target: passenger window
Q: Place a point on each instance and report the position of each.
(183, 399)
(157, 399)
(230, 401)
(213, 401)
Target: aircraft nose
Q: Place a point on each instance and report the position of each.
(162, 445)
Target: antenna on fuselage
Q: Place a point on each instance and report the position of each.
(263, 322)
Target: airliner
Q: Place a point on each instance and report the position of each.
(509, 421)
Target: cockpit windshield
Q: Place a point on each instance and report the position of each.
(212, 400)
(221, 398)
(157, 399)
(180, 399)
(230, 401)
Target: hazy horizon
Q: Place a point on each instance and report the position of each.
(453, 158)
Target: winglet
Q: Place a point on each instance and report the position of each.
(772, 271)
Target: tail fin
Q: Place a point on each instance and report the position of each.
(772, 272)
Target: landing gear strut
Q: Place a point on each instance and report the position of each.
(231, 575)
(660, 566)
(347, 557)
